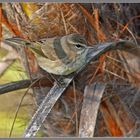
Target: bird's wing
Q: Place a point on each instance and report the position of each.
(52, 48)
(55, 67)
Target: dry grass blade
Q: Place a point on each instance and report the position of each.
(110, 121)
(117, 117)
(94, 23)
(91, 102)
(11, 26)
(45, 107)
(131, 64)
(126, 26)
(64, 22)
(53, 19)
(122, 26)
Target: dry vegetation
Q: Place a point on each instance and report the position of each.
(117, 70)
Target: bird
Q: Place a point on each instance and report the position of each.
(57, 55)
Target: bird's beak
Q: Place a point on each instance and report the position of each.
(90, 47)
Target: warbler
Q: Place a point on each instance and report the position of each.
(59, 55)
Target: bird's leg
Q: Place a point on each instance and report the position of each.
(58, 81)
(62, 78)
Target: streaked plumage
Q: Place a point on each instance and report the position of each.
(58, 55)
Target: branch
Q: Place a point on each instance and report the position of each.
(43, 82)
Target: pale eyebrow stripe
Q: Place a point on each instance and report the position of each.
(60, 51)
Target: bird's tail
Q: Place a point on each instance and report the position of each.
(16, 42)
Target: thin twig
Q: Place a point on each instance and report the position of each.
(16, 113)
(64, 21)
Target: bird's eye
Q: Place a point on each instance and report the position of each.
(78, 46)
(27, 43)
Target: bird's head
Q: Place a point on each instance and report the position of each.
(77, 43)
